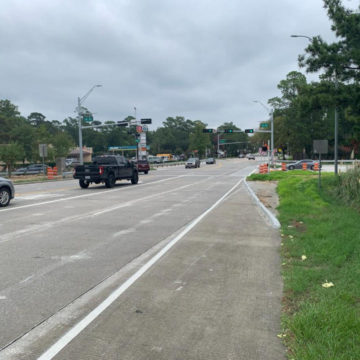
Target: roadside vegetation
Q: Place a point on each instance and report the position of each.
(320, 264)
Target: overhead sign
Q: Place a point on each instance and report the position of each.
(264, 125)
(129, 147)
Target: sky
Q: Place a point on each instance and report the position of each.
(204, 60)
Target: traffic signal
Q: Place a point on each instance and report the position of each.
(229, 131)
(208, 130)
(122, 123)
(249, 131)
(145, 121)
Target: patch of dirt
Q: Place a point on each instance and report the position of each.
(266, 192)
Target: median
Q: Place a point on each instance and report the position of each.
(320, 232)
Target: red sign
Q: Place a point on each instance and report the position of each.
(138, 128)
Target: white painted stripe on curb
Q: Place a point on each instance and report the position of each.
(274, 221)
(82, 324)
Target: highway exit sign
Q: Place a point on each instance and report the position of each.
(264, 125)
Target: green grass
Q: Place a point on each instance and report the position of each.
(319, 323)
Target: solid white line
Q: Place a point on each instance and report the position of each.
(80, 326)
(84, 195)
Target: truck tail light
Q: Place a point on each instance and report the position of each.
(101, 170)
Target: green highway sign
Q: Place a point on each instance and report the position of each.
(264, 125)
(88, 118)
(222, 141)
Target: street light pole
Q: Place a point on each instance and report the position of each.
(79, 111)
(271, 112)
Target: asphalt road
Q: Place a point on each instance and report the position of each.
(64, 250)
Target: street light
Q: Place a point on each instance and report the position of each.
(336, 116)
(79, 111)
(271, 113)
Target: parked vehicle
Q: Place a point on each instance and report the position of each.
(31, 169)
(192, 163)
(106, 169)
(7, 191)
(143, 166)
(154, 159)
(250, 156)
(298, 164)
(210, 160)
(241, 156)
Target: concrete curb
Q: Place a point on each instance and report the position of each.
(274, 221)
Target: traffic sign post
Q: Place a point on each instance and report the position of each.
(320, 147)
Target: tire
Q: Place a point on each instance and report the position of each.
(145, 172)
(4, 197)
(110, 181)
(312, 167)
(135, 178)
(291, 168)
(83, 184)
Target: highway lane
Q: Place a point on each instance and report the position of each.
(58, 241)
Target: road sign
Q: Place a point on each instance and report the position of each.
(145, 128)
(222, 141)
(138, 128)
(43, 150)
(264, 125)
(320, 146)
(88, 118)
(145, 121)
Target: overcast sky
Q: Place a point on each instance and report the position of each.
(205, 60)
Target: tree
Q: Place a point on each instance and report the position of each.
(62, 143)
(199, 140)
(10, 153)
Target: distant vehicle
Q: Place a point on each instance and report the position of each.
(106, 169)
(192, 163)
(143, 166)
(32, 169)
(154, 159)
(210, 160)
(250, 156)
(298, 164)
(241, 156)
(70, 161)
(168, 157)
(7, 191)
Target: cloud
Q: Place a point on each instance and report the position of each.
(204, 60)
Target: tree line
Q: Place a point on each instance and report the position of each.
(20, 137)
(305, 111)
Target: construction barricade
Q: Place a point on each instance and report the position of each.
(50, 173)
(55, 170)
(316, 166)
(263, 168)
(304, 166)
(283, 166)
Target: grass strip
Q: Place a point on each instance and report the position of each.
(321, 245)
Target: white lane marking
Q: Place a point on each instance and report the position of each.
(84, 195)
(132, 202)
(124, 232)
(88, 319)
(3, 297)
(27, 279)
(179, 288)
(50, 224)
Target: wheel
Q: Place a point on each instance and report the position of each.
(291, 167)
(135, 178)
(145, 172)
(84, 184)
(110, 181)
(312, 167)
(4, 197)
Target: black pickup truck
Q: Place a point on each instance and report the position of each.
(106, 169)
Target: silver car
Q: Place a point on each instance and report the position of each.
(192, 163)
(7, 191)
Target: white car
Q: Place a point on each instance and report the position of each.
(250, 156)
